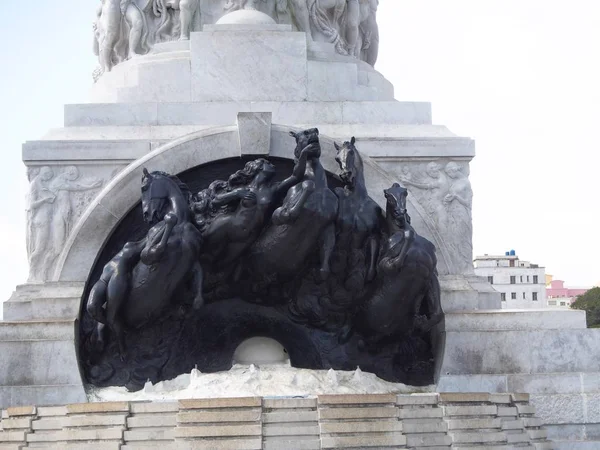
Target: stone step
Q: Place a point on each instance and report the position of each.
(506, 320)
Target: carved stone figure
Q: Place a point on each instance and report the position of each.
(40, 209)
(265, 253)
(120, 32)
(407, 293)
(458, 203)
(169, 27)
(62, 186)
(139, 283)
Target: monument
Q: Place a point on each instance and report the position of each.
(243, 187)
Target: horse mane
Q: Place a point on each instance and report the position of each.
(185, 190)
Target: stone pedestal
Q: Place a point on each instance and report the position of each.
(193, 102)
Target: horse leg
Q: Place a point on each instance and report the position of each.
(373, 249)
(198, 279)
(434, 313)
(96, 301)
(118, 288)
(327, 244)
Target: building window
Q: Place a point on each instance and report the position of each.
(503, 296)
(513, 295)
(511, 263)
(563, 303)
(552, 303)
(523, 295)
(535, 279)
(491, 280)
(534, 296)
(528, 278)
(521, 278)
(513, 279)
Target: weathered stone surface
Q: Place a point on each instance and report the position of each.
(466, 383)
(239, 402)
(97, 420)
(428, 440)
(478, 438)
(507, 411)
(459, 397)
(289, 403)
(484, 410)
(17, 411)
(290, 416)
(360, 413)
(152, 420)
(417, 399)
(50, 411)
(102, 407)
(513, 424)
(424, 427)
(149, 435)
(350, 399)
(296, 444)
(420, 413)
(525, 409)
(360, 427)
(291, 429)
(16, 423)
(254, 129)
(364, 441)
(462, 424)
(221, 444)
(218, 431)
(154, 407)
(251, 415)
(12, 436)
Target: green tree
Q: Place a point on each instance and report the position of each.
(590, 303)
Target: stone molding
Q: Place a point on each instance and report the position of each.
(417, 421)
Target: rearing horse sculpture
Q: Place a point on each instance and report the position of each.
(137, 285)
(283, 248)
(407, 292)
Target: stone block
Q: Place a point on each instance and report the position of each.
(97, 420)
(99, 434)
(16, 423)
(289, 403)
(417, 399)
(249, 415)
(592, 408)
(460, 397)
(332, 81)
(477, 383)
(69, 150)
(12, 436)
(208, 113)
(500, 399)
(532, 422)
(559, 408)
(48, 423)
(508, 320)
(467, 424)
(152, 420)
(420, 413)
(153, 407)
(513, 424)
(291, 429)
(89, 446)
(353, 399)
(18, 411)
(519, 397)
(41, 395)
(254, 130)
(507, 411)
(296, 444)
(364, 441)
(249, 65)
(525, 409)
(359, 413)
(378, 426)
(424, 427)
(99, 407)
(103, 114)
(149, 435)
(290, 416)
(537, 434)
(517, 438)
(392, 112)
(484, 410)
(478, 437)
(44, 437)
(428, 440)
(221, 444)
(218, 431)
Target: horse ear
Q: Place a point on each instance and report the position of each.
(317, 130)
(294, 135)
(337, 147)
(145, 171)
(353, 140)
(395, 185)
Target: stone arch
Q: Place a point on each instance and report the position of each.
(123, 192)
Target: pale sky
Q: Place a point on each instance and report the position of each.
(521, 77)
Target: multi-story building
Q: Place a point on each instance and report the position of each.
(561, 297)
(521, 284)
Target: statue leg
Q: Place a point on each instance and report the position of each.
(352, 23)
(299, 10)
(433, 306)
(198, 279)
(96, 301)
(187, 9)
(327, 244)
(136, 24)
(373, 50)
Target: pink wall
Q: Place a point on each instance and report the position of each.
(557, 289)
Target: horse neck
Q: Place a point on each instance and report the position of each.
(179, 206)
(360, 186)
(318, 172)
(392, 226)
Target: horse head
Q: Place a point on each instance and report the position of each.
(306, 138)
(396, 205)
(350, 162)
(162, 193)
